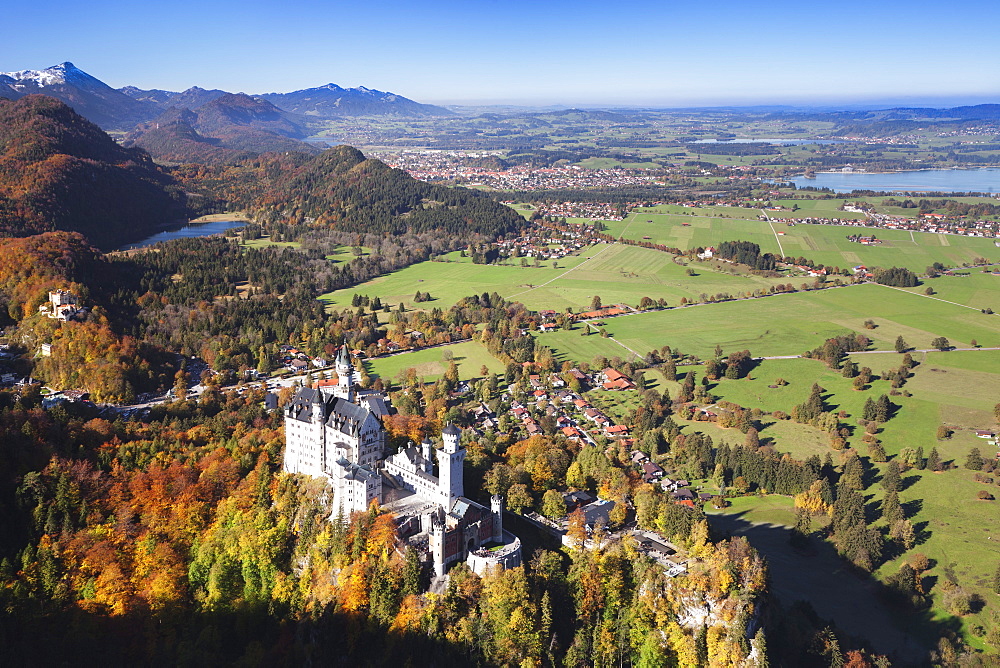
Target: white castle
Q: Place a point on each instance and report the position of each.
(336, 433)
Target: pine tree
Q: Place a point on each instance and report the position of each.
(892, 511)
(891, 479)
(853, 475)
(974, 460)
(934, 462)
(901, 346)
(883, 408)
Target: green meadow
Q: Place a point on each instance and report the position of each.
(615, 272)
(958, 389)
(978, 290)
(431, 363)
(693, 227)
(790, 324)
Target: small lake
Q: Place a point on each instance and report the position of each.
(189, 230)
(986, 180)
(788, 142)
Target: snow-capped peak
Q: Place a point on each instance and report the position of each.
(50, 76)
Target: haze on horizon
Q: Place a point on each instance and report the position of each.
(572, 53)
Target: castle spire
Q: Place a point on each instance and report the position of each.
(345, 375)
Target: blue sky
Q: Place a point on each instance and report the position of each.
(555, 52)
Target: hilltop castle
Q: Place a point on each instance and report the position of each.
(336, 432)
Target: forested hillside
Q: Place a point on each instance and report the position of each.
(59, 171)
(90, 352)
(177, 541)
(342, 190)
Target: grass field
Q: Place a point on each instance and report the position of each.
(955, 388)
(430, 364)
(265, 242)
(615, 272)
(685, 228)
(790, 324)
(977, 290)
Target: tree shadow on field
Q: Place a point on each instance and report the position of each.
(913, 508)
(854, 601)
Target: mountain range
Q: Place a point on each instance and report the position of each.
(122, 109)
(60, 172)
(228, 128)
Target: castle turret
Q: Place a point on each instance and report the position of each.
(450, 474)
(318, 407)
(436, 542)
(345, 375)
(451, 435)
(496, 510)
(425, 449)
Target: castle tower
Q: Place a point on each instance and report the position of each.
(436, 542)
(345, 376)
(496, 510)
(450, 459)
(319, 430)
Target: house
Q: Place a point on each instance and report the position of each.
(575, 500)
(615, 430)
(652, 470)
(619, 384)
(682, 495)
(638, 457)
(572, 433)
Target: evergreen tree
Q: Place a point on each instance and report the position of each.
(934, 462)
(883, 409)
(974, 460)
(892, 512)
(901, 346)
(891, 479)
(868, 413)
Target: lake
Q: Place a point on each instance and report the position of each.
(189, 230)
(788, 142)
(985, 180)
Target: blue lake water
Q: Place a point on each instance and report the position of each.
(985, 180)
(189, 230)
(789, 142)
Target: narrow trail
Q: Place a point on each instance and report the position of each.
(937, 299)
(568, 271)
(774, 232)
(616, 341)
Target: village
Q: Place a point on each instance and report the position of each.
(463, 168)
